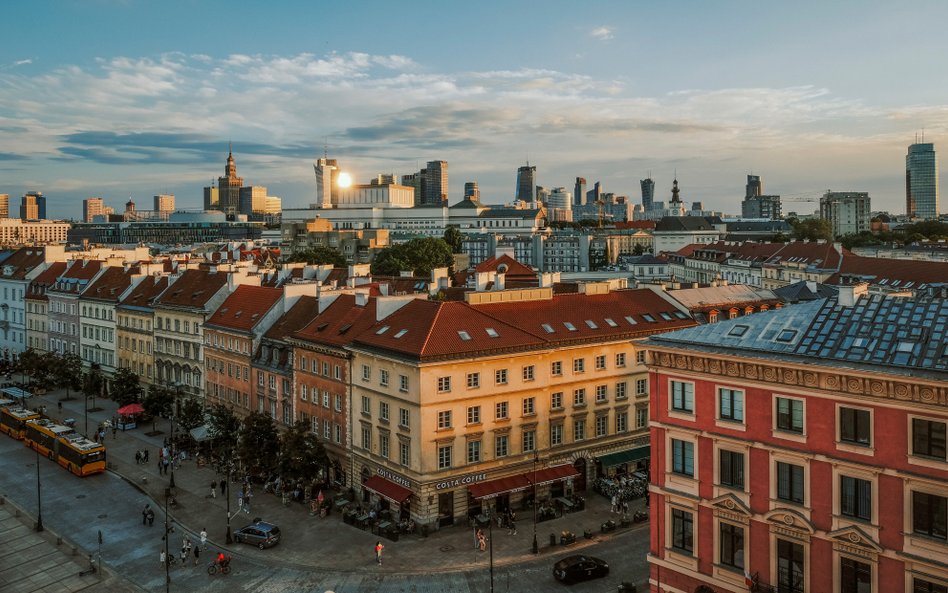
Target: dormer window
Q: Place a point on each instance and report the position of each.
(492, 332)
(569, 326)
(591, 324)
(738, 331)
(382, 330)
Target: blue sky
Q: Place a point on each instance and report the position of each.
(119, 98)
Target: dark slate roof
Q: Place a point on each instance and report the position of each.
(509, 213)
(774, 226)
(685, 223)
(800, 291)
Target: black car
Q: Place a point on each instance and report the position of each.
(579, 568)
(260, 534)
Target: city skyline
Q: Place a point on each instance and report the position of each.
(619, 92)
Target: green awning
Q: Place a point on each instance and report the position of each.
(626, 456)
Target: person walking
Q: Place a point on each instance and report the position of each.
(60, 404)
(477, 538)
(223, 486)
(145, 513)
(378, 552)
(511, 524)
(162, 558)
(151, 517)
(203, 538)
(197, 554)
(214, 489)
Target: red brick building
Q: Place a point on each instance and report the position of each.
(803, 449)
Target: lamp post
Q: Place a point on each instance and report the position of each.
(168, 530)
(536, 459)
(171, 449)
(490, 547)
(39, 500)
(230, 469)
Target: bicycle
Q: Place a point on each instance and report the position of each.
(216, 566)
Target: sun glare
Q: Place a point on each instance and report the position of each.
(344, 180)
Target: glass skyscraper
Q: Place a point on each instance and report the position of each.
(921, 181)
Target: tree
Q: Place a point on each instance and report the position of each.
(420, 256)
(812, 229)
(158, 403)
(30, 363)
(301, 453)
(638, 249)
(125, 387)
(66, 371)
(453, 237)
(191, 414)
(319, 255)
(92, 384)
(259, 443)
(224, 429)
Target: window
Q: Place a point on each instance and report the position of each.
(474, 415)
(683, 457)
(855, 426)
(579, 397)
(641, 417)
(640, 357)
(383, 409)
(556, 368)
(556, 400)
(528, 373)
(529, 441)
(500, 411)
(403, 382)
(444, 419)
(326, 370)
(930, 515)
(579, 429)
(928, 438)
(622, 422)
(602, 425)
(600, 362)
(338, 403)
(529, 406)
(337, 372)
(683, 397)
(620, 359)
(473, 380)
(366, 404)
(790, 414)
(579, 365)
(855, 498)
(366, 372)
(683, 531)
(366, 437)
(444, 384)
(326, 399)
(621, 392)
(383, 442)
(500, 376)
(854, 576)
(641, 387)
(731, 469)
(501, 443)
(731, 404)
(922, 586)
(403, 418)
(473, 451)
(600, 394)
(556, 434)
(790, 577)
(404, 456)
(444, 457)
(383, 378)
(790, 482)
(732, 546)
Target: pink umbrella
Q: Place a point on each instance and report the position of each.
(131, 410)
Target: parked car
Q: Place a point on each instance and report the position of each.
(577, 568)
(260, 534)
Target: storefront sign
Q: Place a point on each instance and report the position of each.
(394, 478)
(462, 481)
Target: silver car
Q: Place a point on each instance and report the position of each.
(260, 534)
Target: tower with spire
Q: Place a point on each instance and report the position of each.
(228, 186)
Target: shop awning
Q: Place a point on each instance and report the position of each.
(16, 392)
(386, 489)
(492, 488)
(553, 474)
(199, 433)
(626, 456)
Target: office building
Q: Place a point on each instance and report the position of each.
(211, 197)
(416, 181)
(253, 201)
(4, 205)
(761, 206)
(802, 450)
(436, 184)
(471, 191)
(92, 207)
(921, 181)
(648, 193)
(226, 196)
(594, 195)
(33, 206)
(754, 187)
(579, 191)
(164, 203)
(526, 183)
(847, 212)
(326, 170)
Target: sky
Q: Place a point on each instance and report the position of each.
(131, 98)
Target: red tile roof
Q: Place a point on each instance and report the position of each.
(635, 224)
(81, 270)
(339, 323)
(37, 288)
(110, 285)
(299, 315)
(245, 307)
(894, 273)
(193, 289)
(21, 262)
(514, 268)
(145, 291)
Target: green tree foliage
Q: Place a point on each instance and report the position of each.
(259, 443)
(319, 255)
(812, 229)
(453, 237)
(638, 249)
(418, 255)
(66, 371)
(224, 429)
(158, 403)
(191, 414)
(301, 453)
(93, 383)
(125, 387)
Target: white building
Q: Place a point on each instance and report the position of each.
(97, 316)
(674, 232)
(847, 212)
(14, 232)
(16, 273)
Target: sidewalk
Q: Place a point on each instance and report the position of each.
(310, 541)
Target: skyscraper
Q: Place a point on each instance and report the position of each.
(579, 191)
(4, 205)
(754, 187)
(848, 212)
(228, 187)
(33, 206)
(325, 169)
(92, 207)
(471, 191)
(526, 183)
(164, 203)
(595, 194)
(648, 193)
(921, 181)
(436, 184)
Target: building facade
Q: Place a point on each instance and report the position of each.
(802, 450)
(921, 181)
(97, 316)
(527, 184)
(15, 232)
(37, 307)
(847, 212)
(64, 324)
(135, 338)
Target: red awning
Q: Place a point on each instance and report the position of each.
(492, 488)
(390, 490)
(554, 474)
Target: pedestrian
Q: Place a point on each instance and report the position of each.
(145, 513)
(477, 538)
(203, 538)
(240, 500)
(165, 462)
(248, 496)
(146, 455)
(214, 489)
(162, 558)
(159, 467)
(184, 556)
(102, 436)
(114, 431)
(378, 552)
(223, 486)
(511, 524)
(482, 542)
(60, 404)
(151, 517)
(615, 503)
(138, 457)
(197, 554)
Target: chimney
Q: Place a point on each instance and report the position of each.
(361, 298)
(811, 285)
(499, 283)
(481, 279)
(850, 293)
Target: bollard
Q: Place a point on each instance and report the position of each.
(552, 539)
(59, 540)
(16, 513)
(75, 550)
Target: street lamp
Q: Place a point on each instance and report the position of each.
(168, 530)
(39, 500)
(536, 459)
(230, 469)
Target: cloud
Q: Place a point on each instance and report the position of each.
(23, 62)
(601, 33)
(8, 156)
